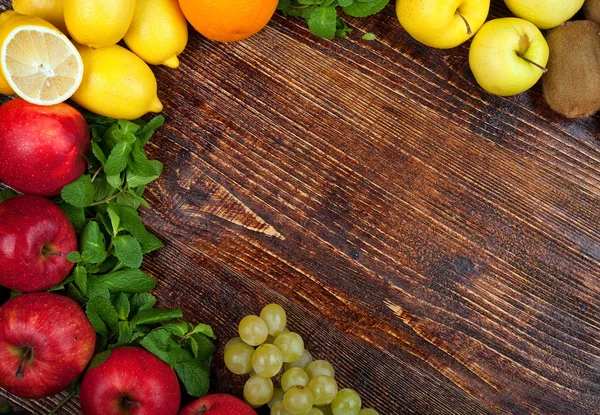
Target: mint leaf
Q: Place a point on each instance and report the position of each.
(131, 222)
(178, 328)
(76, 216)
(204, 329)
(115, 180)
(128, 251)
(98, 359)
(194, 376)
(364, 9)
(115, 221)
(80, 278)
(74, 257)
(98, 153)
(79, 193)
(105, 310)
(322, 22)
(125, 333)
(92, 245)
(142, 301)
(102, 189)
(202, 347)
(117, 160)
(145, 133)
(156, 315)
(127, 281)
(369, 36)
(6, 194)
(122, 306)
(159, 342)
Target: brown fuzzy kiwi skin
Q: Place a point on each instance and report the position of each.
(572, 84)
(591, 10)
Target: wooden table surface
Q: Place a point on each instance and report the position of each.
(439, 245)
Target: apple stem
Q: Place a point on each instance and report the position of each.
(128, 403)
(469, 31)
(47, 251)
(25, 357)
(537, 65)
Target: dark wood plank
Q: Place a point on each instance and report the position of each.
(439, 245)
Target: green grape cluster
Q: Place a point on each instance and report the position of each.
(282, 373)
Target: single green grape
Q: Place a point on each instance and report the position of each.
(298, 400)
(324, 389)
(253, 330)
(319, 368)
(238, 358)
(291, 345)
(315, 411)
(258, 390)
(279, 409)
(301, 362)
(346, 402)
(232, 341)
(368, 411)
(275, 317)
(267, 360)
(293, 377)
(277, 397)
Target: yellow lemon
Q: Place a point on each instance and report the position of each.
(98, 23)
(49, 10)
(37, 61)
(116, 83)
(158, 32)
(5, 88)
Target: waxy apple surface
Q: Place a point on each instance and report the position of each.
(42, 148)
(35, 238)
(218, 404)
(130, 381)
(46, 342)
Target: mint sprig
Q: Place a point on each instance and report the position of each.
(103, 208)
(323, 16)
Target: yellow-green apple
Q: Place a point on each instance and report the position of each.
(46, 342)
(218, 404)
(42, 148)
(442, 23)
(35, 238)
(545, 14)
(131, 381)
(508, 56)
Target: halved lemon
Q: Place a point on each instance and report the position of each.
(38, 62)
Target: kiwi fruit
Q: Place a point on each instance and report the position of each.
(572, 84)
(591, 10)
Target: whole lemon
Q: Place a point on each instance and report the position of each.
(49, 10)
(158, 32)
(116, 83)
(98, 23)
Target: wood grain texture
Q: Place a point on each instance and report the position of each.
(440, 246)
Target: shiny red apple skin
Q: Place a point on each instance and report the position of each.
(35, 238)
(133, 374)
(61, 339)
(218, 404)
(42, 148)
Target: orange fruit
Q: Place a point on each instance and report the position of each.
(228, 20)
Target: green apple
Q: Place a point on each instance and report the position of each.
(508, 56)
(545, 14)
(442, 23)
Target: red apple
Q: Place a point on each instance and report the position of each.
(131, 381)
(46, 342)
(35, 238)
(42, 148)
(218, 404)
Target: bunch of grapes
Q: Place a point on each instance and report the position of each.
(283, 374)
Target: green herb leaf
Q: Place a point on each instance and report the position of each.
(6, 194)
(98, 153)
(131, 222)
(122, 306)
(322, 22)
(92, 244)
(194, 376)
(127, 281)
(128, 251)
(156, 315)
(364, 9)
(142, 301)
(79, 193)
(80, 278)
(125, 333)
(98, 359)
(204, 329)
(117, 160)
(204, 348)
(369, 36)
(74, 257)
(76, 216)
